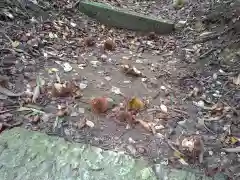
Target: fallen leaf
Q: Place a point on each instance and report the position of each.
(83, 85)
(15, 44)
(132, 70)
(67, 67)
(89, 123)
(145, 125)
(194, 93)
(182, 161)
(199, 104)
(73, 24)
(62, 112)
(80, 124)
(159, 127)
(178, 154)
(164, 108)
(194, 145)
(65, 89)
(135, 104)
(36, 94)
(52, 70)
(51, 35)
(231, 140)
(32, 111)
(125, 116)
(236, 80)
(36, 119)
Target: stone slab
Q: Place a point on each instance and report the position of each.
(122, 18)
(28, 155)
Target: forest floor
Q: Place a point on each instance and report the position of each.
(184, 86)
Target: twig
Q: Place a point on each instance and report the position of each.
(208, 128)
(2, 112)
(157, 95)
(11, 41)
(213, 36)
(12, 125)
(179, 111)
(207, 53)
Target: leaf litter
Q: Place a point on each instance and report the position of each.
(89, 66)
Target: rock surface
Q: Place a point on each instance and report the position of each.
(26, 155)
(117, 17)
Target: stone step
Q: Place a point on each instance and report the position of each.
(122, 18)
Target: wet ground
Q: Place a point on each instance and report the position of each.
(187, 92)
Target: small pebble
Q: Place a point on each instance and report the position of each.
(210, 153)
(130, 140)
(141, 150)
(82, 86)
(163, 88)
(108, 78)
(215, 76)
(74, 114)
(81, 110)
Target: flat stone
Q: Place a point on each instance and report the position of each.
(122, 18)
(28, 155)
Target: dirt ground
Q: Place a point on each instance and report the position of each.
(189, 83)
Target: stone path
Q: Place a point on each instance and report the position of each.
(26, 155)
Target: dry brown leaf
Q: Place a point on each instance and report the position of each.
(195, 146)
(131, 70)
(236, 80)
(164, 108)
(145, 125)
(153, 128)
(62, 112)
(68, 88)
(36, 119)
(80, 124)
(125, 116)
(36, 94)
(194, 93)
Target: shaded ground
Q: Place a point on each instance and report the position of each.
(191, 72)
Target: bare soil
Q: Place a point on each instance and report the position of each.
(173, 67)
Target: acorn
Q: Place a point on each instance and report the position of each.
(89, 41)
(109, 45)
